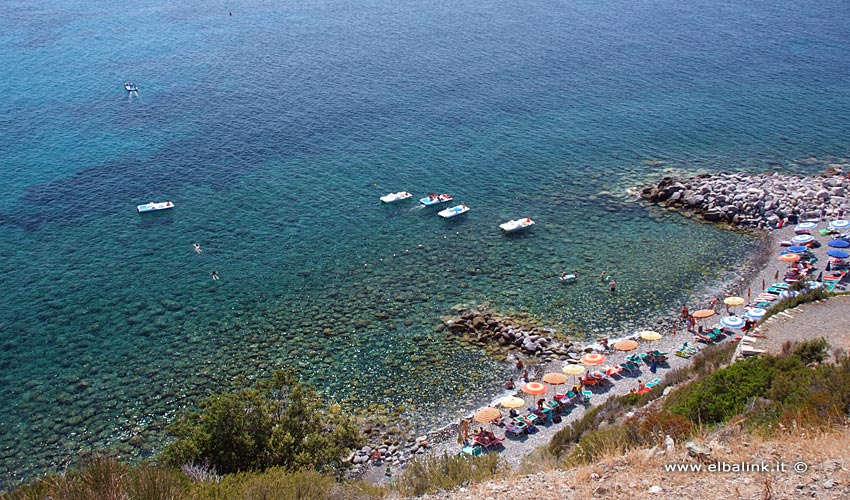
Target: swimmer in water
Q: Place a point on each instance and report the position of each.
(214, 275)
(197, 248)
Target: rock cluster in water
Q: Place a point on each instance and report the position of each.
(488, 329)
(762, 201)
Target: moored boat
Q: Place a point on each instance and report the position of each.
(453, 211)
(154, 206)
(516, 225)
(394, 197)
(131, 87)
(435, 199)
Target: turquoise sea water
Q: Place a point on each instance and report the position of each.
(275, 129)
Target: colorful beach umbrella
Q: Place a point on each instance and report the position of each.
(555, 378)
(805, 226)
(593, 359)
(756, 313)
(734, 301)
(838, 254)
(732, 322)
(839, 243)
(626, 345)
(534, 388)
(703, 313)
(487, 415)
(798, 249)
(802, 239)
(789, 257)
(574, 369)
(650, 335)
(512, 402)
(839, 224)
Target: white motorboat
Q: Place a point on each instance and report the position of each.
(154, 206)
(394, 197)
(435, 199)
(131, 87)
(516, 225)
(453, 211)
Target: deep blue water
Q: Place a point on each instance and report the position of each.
(275, 129)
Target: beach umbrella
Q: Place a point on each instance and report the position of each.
(593, 359)
(573, 369)
(555, 378)
(703, 313)
(732, 322)
(789, 257)
(650, 335)
(802, 239)
(839, 243)
(756, 313)
(839, 224)
(838, 254)
(512, 402)
(535, 388)
(626, 345)
(805, 226)
(487, 415)
(798, 249)
(734, 301)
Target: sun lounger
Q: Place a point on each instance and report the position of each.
(472, 451)
(586, 395)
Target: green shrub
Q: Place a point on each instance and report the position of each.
(812, 351)
(656, 425)
(429, 474)
(273, 484)
(280, 423)
(615, 439)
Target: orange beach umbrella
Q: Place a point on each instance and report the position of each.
(555, 378)
(625, 345)
(593, 359)
(487, 415)
(789, 257)
(534, 388)
(703, 313)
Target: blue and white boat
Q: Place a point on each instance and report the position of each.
(453, 211)
(131, 87)
(154, 206)
(513, 226)
(435, 199)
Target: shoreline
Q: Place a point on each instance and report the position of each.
(757, 267)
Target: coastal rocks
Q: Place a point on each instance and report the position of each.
(755, 201)
(487, 329)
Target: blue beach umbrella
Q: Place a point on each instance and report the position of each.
(839, 243)
(798, 249)
(802, 239)
(756, 313)
(839, 224)
(805, 226)
(732, 322)
(838, 254)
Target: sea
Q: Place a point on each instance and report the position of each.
(274, 127)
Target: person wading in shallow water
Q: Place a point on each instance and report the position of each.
(613, 285)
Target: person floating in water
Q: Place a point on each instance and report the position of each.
(197, 247)
(214, 275)
(613, 286)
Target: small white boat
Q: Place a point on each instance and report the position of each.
(435, 199)
(394, 197)
(516, 225)
(453, 211)
(154, 206)
(131, 87)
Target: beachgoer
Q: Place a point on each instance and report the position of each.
(713, 303)
(641, 386)
(654, 365)
(510, 384)
(524, 376)
(464, 428)
(513, 413)
(602, 276)
(375, 456)
(685, 312)
(519, 364)
(197, 248)
(214, 275)
(540, 403)
(613, 285)
(691, 322)
(604, 344)
(563, 276)
(632, 391)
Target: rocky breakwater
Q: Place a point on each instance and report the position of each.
(764, 201)
(501, 334)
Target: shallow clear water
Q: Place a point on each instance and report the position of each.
(276, 129)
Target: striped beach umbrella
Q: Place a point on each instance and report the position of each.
(593, 359)
(534, 388)
(756, 313)
(802, 239)
(839, 224)
(733, 322)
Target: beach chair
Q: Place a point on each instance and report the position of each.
(471, 451)
(586, 397)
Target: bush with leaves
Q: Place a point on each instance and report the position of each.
(279, 423)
